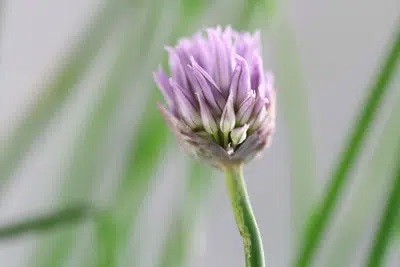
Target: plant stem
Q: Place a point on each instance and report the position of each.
(244, 216)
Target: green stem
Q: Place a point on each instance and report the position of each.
(244, 216)
(388, 221)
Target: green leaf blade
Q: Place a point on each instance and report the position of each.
(319, 220)
(389, 215)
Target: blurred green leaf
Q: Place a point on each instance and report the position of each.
(397, 230)
(67, 216)
(250, 7)
(293, 98)
(56, 91)
(107, 241)
(181, 233)
(82, 174)
(147, 149)
(191, 8)
(319, 220)
(389, 215)
(351, 231)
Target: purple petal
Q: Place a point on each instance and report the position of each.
(207, 88)
(207, 76)
(163, 84)
(187, 111)
(243, 87)
(209, 123)
(257, 75)
(233, 88)
(259, 119)
(178, 72)
(246, 108)
(260, 103)
(223, 62)
(246, 45)
(201, 53)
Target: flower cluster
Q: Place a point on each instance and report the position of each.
(221, 103)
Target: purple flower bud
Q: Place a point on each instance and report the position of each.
(221, 103)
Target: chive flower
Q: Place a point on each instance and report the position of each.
(221, 107)
(220, 102)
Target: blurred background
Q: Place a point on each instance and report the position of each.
(91, 176)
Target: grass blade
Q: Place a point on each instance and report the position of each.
(388, 220)
(350, 232)
(55, 92)
(397, 230)
(320, 218)
(72, 215)
(148, 147)
(105, 232)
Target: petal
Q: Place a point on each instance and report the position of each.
(186, 90)
(246, 108)
(187, 111)
(197, 144)
(175, 64)
(246, 45)
(257, 75)
(201, 52)
(174, 122)
(251, 147)
(244, 80)
(207, 76)
(238, 135)
(203, 86)
(259, 120)
(209, 123)
(234, 83)
(162, 82)
(259, 114)
(223, 62)
(228, 119)
(260, 103)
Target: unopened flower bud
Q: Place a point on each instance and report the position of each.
(221, 103)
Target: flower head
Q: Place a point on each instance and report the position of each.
(221, 104)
